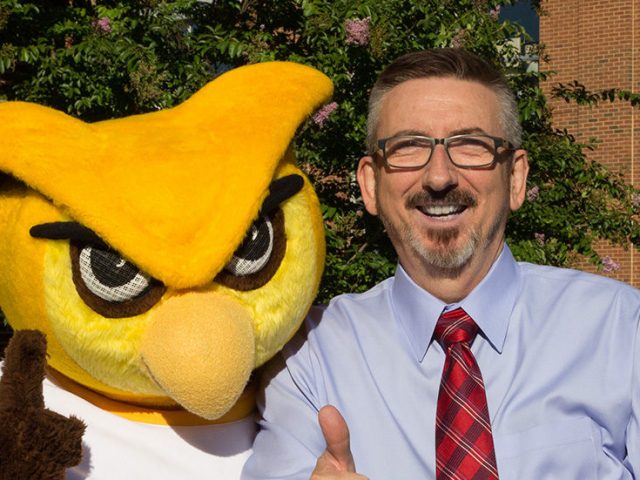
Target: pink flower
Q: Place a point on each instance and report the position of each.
(357, 31)
(539, 237)
(322, 115)
(609, 266)
(532, 193)
(495, 12)
(458, 39)
(104, 25)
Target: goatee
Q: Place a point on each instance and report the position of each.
(444, 256)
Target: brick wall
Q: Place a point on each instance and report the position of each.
(597, 42)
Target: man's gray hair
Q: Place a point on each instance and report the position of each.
(445, 62)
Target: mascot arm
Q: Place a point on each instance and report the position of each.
(34, 442)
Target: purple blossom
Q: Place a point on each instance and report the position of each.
(495, 12)
(104, 25)
(458, 39)
(609, 266)
(532, 193)
(322, 115)
(358, 31)
(539, 237)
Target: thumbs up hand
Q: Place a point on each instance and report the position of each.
(34, 442)
(336, 462)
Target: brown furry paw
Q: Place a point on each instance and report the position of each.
(34, 442)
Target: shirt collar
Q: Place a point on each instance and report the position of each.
(489, 304)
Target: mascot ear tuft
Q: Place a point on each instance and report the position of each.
(27, 428)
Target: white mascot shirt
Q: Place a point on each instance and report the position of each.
(118, 448)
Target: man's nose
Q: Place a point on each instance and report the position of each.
(440, 173)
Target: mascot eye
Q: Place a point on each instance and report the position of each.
(259, 256)
(111, 277)
(255, 251)
(110, 285)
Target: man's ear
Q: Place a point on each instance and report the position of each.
(519, 173)
(367, 177)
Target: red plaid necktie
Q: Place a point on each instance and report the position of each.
(464, 445)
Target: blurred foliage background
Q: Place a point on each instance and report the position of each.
(102, 59)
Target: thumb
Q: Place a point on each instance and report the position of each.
(336, 435)
(23, 371)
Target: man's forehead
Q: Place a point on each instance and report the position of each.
(439, 89)
(446, 104)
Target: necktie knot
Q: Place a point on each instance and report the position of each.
(455, 326)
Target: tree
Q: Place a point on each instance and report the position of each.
(101, 59)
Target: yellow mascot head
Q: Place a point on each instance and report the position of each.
(165, 255)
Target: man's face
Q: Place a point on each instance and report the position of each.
(441, 217)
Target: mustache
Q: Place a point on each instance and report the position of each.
(450, 197)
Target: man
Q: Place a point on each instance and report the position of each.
(557, 350)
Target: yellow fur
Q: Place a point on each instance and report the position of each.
(175, 189)
(174, 192)
(286, 295)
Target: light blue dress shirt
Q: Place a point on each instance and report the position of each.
(559, 354)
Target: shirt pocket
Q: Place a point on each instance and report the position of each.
(562, 450)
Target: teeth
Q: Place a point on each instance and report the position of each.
(441, 210)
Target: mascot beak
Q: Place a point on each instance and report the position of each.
(204, 363)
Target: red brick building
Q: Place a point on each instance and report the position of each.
(597, 42)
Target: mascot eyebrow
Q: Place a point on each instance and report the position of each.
(279, 190)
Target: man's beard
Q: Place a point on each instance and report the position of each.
(444, 257)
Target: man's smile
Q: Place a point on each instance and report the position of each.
(441, 210)
(441, 206)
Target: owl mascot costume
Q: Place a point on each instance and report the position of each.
(149, 265)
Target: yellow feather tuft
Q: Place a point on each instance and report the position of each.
(174, 190)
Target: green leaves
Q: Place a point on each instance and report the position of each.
(576, 92)
(99, 61)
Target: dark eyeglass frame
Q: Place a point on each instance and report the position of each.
(497, 143)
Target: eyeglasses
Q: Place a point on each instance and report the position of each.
(464, 151)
